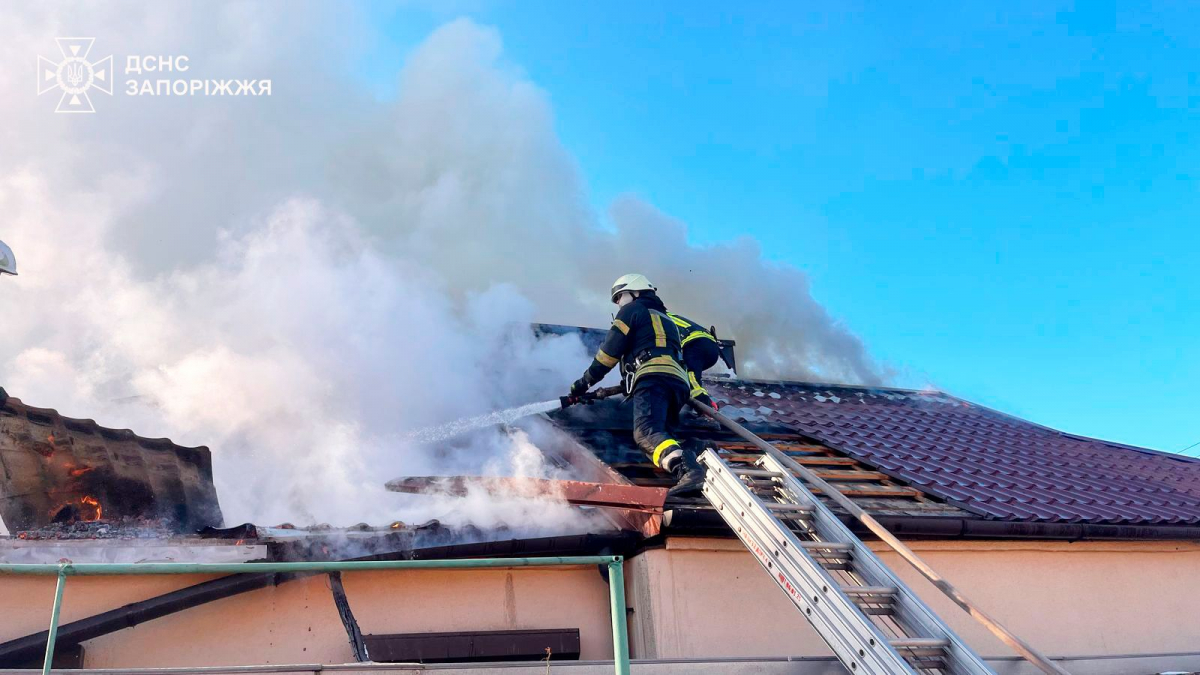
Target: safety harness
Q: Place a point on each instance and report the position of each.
(661, 358)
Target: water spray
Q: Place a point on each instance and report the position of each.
(462, 426)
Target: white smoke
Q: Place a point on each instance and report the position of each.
(299, 281)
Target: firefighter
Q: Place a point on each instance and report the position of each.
(8, 262)
(700, 352)
(645, 341)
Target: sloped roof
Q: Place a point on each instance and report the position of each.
(990, 463)
(53, 464)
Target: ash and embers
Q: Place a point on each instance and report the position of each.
(127, 528)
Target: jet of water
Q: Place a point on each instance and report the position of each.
(462, 426)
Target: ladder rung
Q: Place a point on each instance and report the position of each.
(921, 652)
(756, 473)
(869, 590)
(919, 643)
(791, 508)
(786, 540)
(832, 546)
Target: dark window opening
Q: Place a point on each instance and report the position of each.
(475, 646)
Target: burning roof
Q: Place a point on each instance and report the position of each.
(57, 471)
(968, 460)
(898, 453)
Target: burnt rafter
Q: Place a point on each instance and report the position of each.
(615, 495)
(357, 645)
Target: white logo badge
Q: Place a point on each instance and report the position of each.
(75, 75)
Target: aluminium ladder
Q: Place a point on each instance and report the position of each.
(872, 621)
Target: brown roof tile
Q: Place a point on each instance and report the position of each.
(991, 463)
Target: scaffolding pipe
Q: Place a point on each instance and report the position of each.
(111, 569)
(616, 581)
(616, 596)
(1018, 645)
(54, 611)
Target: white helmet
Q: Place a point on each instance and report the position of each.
(8, 261)
(631, 282)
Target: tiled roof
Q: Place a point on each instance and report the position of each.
(56, 465)
(993, 464)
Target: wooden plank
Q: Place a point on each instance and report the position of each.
(826, 461)
(785, 447)
(851, 475)
(807, 461)
(570, 491)
(741, 459)
(898, 492)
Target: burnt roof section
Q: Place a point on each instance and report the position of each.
(60, 469)
(604, 429)
(993, 464)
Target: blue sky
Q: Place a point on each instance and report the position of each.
(1002, 201)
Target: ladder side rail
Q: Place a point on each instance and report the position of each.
(1026, 650)
(909, 608)
(858, 643)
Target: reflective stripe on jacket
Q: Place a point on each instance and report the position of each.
(690, 330)
(644, 339)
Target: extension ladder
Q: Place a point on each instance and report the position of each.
(872, 621)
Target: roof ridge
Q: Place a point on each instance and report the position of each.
(805, 383)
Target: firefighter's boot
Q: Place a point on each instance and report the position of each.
(689, 475)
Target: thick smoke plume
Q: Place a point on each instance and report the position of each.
(301, 281)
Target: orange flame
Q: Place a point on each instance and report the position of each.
(96, 513)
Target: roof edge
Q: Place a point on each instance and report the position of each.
(16, 406)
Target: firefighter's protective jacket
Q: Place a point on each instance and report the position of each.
(644, 340)
(690, 330)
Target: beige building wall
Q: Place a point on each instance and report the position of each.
(297, 622)
(695, 598)
(700, 597)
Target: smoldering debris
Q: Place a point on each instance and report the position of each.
(126, 528)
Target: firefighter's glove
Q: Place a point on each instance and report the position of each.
(580, 387)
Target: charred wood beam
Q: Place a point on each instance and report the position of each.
(343, 606)
(579, 493)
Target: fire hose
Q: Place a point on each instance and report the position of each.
(591, 396)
